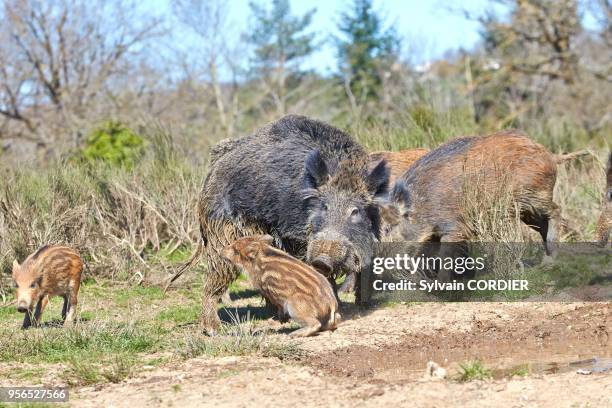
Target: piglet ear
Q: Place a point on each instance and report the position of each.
(378, 179)
(15, 267)
(315, 171)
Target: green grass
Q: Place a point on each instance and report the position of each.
(122, 329)
(8, 313)
(238, 284)
(522, 371)
(179, 315)
(84, 341)
(139, 294)
(33, 405)
(473, 370)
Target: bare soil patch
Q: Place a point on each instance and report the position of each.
(378, 357)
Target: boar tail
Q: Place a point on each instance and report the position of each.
(562, 158)
(189, 264)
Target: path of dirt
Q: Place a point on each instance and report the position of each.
(380, 357)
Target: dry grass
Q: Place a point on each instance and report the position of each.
(492, 216)
(579, 192)
(136, 225)
(127, 224)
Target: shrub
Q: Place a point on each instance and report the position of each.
(114, 143)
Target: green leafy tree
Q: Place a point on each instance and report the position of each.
(114, 143)
(365, 46)
(281, 42)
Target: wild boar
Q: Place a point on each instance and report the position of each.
(427, 198)
(604, 225)
(52, 270)
(294, 288)
(300, 180)
(398, 162)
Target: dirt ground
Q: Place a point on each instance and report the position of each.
(379, 357)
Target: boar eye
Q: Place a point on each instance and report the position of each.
(33, 285)
(15, 285)
(355, 212)
(324, 206)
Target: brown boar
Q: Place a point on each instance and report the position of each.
(53, 270)
(294, 288)
(397, 162)
(604, 225)
(428, 196)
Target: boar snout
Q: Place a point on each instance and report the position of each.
(331, 256)
(22, 307)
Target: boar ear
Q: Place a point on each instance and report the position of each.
(250, 251)
(15, 266)
(315, 170)
(400, 194)
(378, 179)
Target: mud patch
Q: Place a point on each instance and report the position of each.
(544, 344)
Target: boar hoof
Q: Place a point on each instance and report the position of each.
(306, 331)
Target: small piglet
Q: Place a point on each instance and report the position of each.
(53, 270)
(294, 288)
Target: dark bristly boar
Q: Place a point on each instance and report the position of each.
(397, 162)
(294, 288)
(428, 196)
(604, 225)
(302, 181)
(53, 270)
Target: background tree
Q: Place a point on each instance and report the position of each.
(208, 21)
(529, 53)
(365, 46)
(281, 42)
(57, 58)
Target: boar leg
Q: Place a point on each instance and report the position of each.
(72, 304)
(304, 314)
(281, 315)
(65, 307)
(310, 328)
(27, 320)
(40, 308)
(451, 246)
(547, 227)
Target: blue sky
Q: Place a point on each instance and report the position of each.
(428, 28)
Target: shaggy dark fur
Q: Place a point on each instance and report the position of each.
(273, 181)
